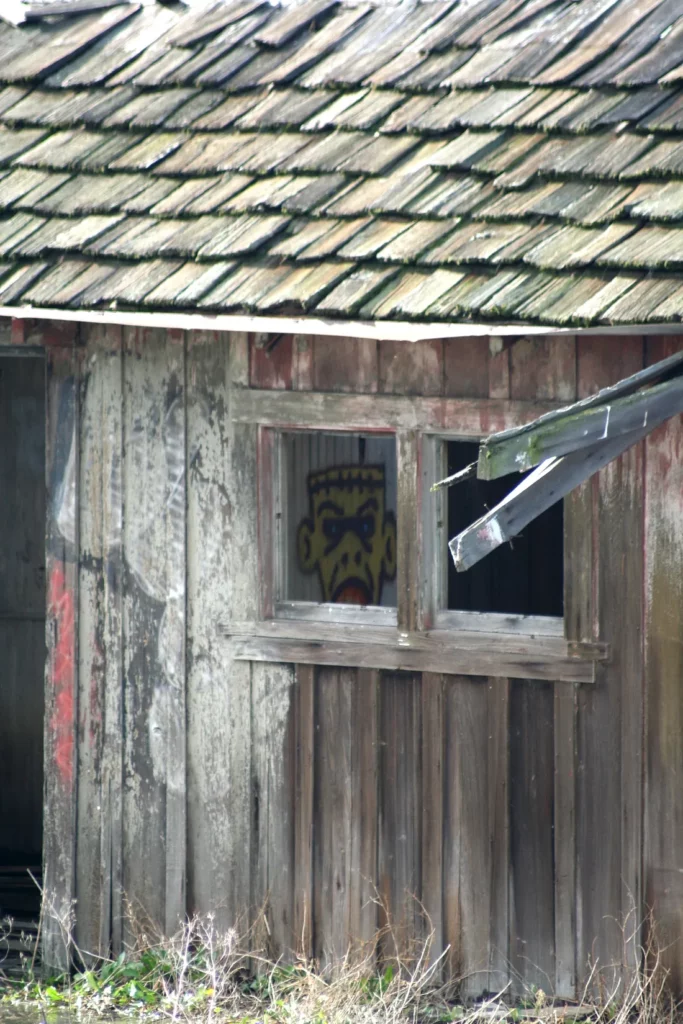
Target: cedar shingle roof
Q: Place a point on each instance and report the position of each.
(494, 160)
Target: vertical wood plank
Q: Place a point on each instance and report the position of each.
(366, 769)
(336, 830)
(432, 532)
(304, 710)
(407, 541)
(543, 764)
(345, 813)
(239, 359)
(432, 801)
(271, 359)
(609, 723)
(154, 625)
(579, 561)
(663, 674)
(466, 367)
(499, 367)
(100, 773)
(268, 512)
(273, 781)
(399, 817)
(564, 836)
(532, 945)
(59, 824)
(91, 684)
(626, 567)
(543, 368)
(302, 359)
(220, 532)
(11, 331)
(112, 597)
(498, 790)
(580, 599)
(467, 847)
(411, 368)
(345, 364)
(604, 360)
(244, 578)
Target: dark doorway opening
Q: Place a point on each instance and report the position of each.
(523, 577)
(22, 643)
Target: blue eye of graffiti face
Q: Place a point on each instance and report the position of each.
(366, 526)
(335, 528)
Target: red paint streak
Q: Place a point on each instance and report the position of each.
(271, 367)
(58, 334)
(17, 335)
(62, 672)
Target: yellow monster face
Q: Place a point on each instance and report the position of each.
(350, 537)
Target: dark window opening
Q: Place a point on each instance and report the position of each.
(524, 577)
(22, 643)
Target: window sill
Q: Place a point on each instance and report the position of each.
(496, 622)
(455, 652)
(339, 615)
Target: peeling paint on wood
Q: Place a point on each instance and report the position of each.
(61, 696)
(100, 763)
(154, 625)
(174, 472)
(218, 690)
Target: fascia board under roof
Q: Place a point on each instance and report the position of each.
(387, 330)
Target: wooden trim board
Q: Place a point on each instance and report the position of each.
(322, 410)
(500, 622)
(383, 647)
(391, 330)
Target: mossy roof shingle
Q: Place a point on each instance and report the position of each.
(494, 160)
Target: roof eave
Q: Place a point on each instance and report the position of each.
(389, 330)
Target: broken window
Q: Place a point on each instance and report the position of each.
(523, 576)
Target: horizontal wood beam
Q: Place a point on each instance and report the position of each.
(500, 622)
(459, 417)
(549, 482)
(579, 427)
(380, 647)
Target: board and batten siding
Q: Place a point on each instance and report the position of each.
(505, 817)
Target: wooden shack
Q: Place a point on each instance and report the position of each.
(266, 276)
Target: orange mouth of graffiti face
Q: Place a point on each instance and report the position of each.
(352, 591)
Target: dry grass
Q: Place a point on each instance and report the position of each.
(204, 973)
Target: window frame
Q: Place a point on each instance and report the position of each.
(272, 494)
(433, 529)
(423, 637)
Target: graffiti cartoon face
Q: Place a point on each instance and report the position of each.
(350, 537)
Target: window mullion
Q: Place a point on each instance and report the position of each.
(408, 516)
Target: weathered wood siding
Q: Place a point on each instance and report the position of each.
(332, 802)
(663, 629)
